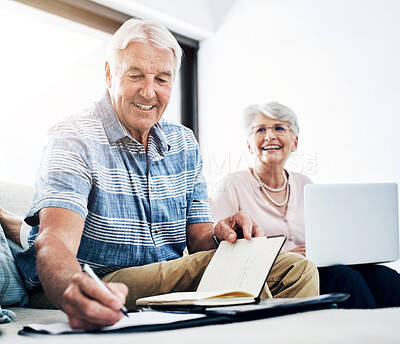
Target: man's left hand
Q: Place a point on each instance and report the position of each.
(237, 226)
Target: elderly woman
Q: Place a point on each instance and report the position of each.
(274, 198)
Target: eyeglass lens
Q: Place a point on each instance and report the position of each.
(277, 129)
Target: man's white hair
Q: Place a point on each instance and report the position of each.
(272, 110)
(138, 30)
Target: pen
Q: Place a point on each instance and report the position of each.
(91, 273)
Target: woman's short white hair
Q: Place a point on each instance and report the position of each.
(272, 110)
(138, 30)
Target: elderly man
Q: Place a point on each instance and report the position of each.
(123, 191)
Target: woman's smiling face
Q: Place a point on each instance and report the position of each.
(271, 140)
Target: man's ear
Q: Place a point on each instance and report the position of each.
(108, 74)
(296, 141)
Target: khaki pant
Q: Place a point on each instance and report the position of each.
(291, 276)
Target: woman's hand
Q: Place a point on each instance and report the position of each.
(300, 249)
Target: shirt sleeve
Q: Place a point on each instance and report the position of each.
(199, 206)
(64, 178)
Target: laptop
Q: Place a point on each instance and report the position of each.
(351, 223)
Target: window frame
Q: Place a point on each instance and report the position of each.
(109, 20)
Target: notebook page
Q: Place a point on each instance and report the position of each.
(243, 265)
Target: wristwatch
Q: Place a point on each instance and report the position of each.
(216, 240)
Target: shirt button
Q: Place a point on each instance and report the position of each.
(156, 231)
(151, 189)
(285, 220)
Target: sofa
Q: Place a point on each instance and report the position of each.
(323, 326)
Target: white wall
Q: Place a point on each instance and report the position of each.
(196, 19)
(336, 63)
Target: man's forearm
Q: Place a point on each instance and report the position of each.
(200, 237)
(55, 265)
(56, 249)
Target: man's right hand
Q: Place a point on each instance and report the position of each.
(67, 287)
(88, 306)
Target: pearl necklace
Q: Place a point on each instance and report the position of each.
(264, 188)
(268, 187)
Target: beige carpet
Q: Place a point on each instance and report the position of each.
(327, 326)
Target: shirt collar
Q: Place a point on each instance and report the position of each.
(112, 126)
(115, 130)
(159, 137)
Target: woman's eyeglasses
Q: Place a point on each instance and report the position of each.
(277, 129)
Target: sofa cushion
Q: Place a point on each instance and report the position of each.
(16, 199)
(12, 288)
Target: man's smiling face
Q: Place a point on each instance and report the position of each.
(140, 86)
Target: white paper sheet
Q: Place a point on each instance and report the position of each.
(135, 319)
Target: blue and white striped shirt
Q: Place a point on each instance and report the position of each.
(136, 206)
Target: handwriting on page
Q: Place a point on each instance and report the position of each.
(241, 266)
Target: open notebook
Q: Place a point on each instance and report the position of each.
(235, 275)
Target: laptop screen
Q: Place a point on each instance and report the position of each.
(351, 223)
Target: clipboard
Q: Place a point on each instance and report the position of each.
(201, 316)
